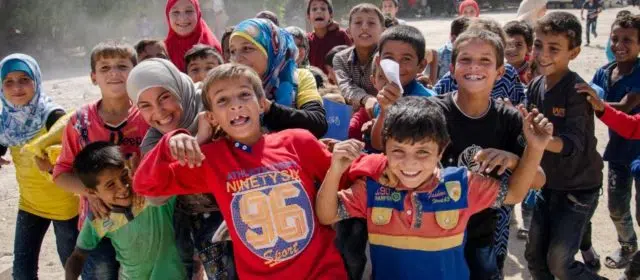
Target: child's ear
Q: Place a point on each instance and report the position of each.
(92, 191)
(93, 78)
(211, 118)
(574, 53)
(501, 71)
(422, 64)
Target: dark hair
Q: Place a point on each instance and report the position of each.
(561, 23)
(94, 159)
(112, 49)
(270, 16)
(623, 13)
(230, 71)
(328, 59)
(480, 34)
(415, 119)
(320, 77)
(395, 2)
(328, 2)
(489, 25)
(406, 34)
(299, 34)
(144, 43)
(367, 8)
(459, 25)
(515, 28)
(202, 51)
(390, 21)
(224, 40)
(628, 21)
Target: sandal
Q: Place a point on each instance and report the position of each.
(523, 234)
(620, 258)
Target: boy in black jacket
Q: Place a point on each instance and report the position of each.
(572, 163)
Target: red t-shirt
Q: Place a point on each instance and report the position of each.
(86, 126)
(266, 194)
(319, 47)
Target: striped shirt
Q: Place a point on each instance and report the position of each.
(353, 77)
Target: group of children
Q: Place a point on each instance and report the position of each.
(206, 157)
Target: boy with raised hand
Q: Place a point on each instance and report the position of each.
(570, 196)
(263, 183)
(416, 212)
(142, 234)
(620, 81)
(470, 112)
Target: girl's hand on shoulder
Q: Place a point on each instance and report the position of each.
(43, 163)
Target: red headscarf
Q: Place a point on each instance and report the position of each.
(467, 3)
(178, 45)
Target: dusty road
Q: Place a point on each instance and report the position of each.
(74, 92)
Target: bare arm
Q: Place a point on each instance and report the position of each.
(74, 265)
(628, 103)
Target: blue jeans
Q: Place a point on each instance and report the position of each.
(101, 264)
(591, 28)
(621, 177)
(558, 224)
(30, 231)
(193, 234)
(482, 262)
(351, 241)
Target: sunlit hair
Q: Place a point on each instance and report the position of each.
(112, 49)
(230, 71)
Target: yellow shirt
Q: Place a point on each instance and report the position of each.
(307, 89)
(38, 194)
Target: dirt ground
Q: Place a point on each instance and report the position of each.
(73, 92)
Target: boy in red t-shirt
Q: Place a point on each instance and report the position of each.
(264, 185)
(112, 118)
(326, 32)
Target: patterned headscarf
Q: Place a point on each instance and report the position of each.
(19, 124)
(281, 52)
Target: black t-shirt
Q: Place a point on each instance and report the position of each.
(500, 128)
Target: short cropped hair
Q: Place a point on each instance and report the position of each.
(112, 49)
(459, 25)
(390, 21)
(395, 2)
(202, 51)
(489, 25)
(628, 21)
(414, 119)
(144, 43)
(230, 71)
(561, 23)
(623, 13)
(367, 8)
(270, 16)
(328, 2)
(406, 34)
(328, 59)
(480, 34)
(96, 158)
(516, 27)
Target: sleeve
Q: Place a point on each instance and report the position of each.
(70, 148)
(627, 126)
(311, 116)
(353, 94)
(352, 202)
(485, 192)
(54, 117)
(88, 239)
(314, 156)
(160, 175)
(516, 142)
(573, 132)
(307, 88)
(444, 84)
(357, 121)
(517, 95)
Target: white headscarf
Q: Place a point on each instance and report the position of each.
(156, 72)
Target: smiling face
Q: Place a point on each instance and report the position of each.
(319, 15)
(160, 109)
(236, 108)
(365, 28)
(552, 53)
(183, 17)
(18, 88)
(405, 55)
(199, 67)
(114, 187)
(624, 43)
(111, 75)
(412, 163)
(389, 8)
(516, 50)
(244, 52)
(475, 68)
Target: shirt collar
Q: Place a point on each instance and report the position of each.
(242, 147)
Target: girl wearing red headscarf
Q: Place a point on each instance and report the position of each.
(469, 8)
(186, 29)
